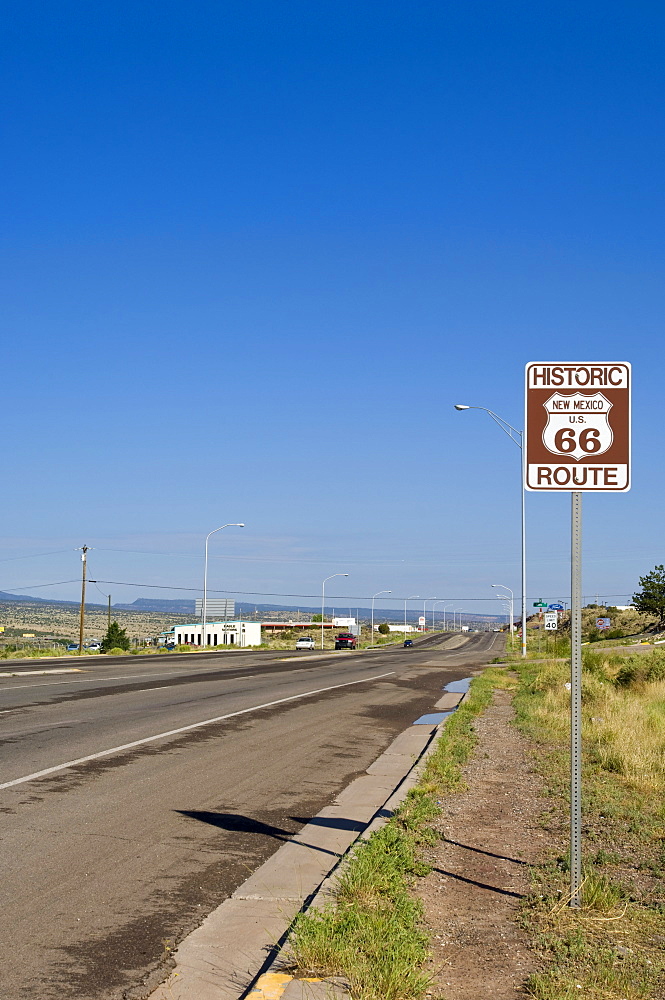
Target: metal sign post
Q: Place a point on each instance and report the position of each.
(576, 701)
(577, 439)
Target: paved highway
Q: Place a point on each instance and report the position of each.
(136, 795)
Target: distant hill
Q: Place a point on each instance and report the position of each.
(186, 606)
(24, 599)
(178, 607)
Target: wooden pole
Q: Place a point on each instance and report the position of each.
(84, 550)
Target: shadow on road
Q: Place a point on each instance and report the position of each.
(236, 823)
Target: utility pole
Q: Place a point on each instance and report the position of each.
(109, 616)
(84, 550)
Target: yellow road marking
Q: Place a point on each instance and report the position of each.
(271, 985)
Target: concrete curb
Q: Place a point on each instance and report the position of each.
(223, 958)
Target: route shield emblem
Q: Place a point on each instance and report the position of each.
(578, 425)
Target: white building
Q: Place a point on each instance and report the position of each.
(217, 634)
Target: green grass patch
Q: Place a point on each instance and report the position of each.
(373, 933)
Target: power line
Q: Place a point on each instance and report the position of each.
(36, 555)
(258, 593)
(37, 586)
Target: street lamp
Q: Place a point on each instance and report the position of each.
(512, 603)
(518, 438)
(449, 604)
(323, 599)
(506, 604)
(457, 611)
(377, 595)
(425, 611)
(205, 578)
(411, 598)
(444, 611)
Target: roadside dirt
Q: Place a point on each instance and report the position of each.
(480, 871)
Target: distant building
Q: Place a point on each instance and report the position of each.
(400, 628)
(217, 634)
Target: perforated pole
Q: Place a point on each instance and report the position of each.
(576, 702)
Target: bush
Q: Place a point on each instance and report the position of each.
(641, 669)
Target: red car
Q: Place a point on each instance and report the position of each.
(345, 640)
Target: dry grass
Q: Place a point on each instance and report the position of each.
(612, 948)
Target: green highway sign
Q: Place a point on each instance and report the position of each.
(540, 604)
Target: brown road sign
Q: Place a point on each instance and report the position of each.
(577, 427)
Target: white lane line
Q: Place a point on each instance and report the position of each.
(88, 680)
(184, 729)
(40, 673)
(124, 677)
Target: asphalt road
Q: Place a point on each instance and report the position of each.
(135, 796)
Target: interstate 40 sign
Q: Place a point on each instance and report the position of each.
(577, 429)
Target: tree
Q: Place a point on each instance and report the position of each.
(384, 628)
(115, 638)
(650, 600)
(317, 618)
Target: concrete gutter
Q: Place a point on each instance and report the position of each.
(225, 957)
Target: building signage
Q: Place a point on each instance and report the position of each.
(556, 607)
(577, 427)
(603, 622)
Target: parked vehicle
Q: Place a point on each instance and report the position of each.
(305, 642)
(95, 646)
(71, 646)
(345, 640)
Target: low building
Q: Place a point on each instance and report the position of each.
(276, 626)
(217, 634)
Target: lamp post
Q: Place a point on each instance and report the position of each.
(444, 611)
(373, 598)
(204, 608)
(323, 599)
(425, 611)
(449, 604)
(506, 604)
(457, 611)
(512, 604)
(518, 438)
(411, 598)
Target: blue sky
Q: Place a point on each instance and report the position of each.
(253, 253)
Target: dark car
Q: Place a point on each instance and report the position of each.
(345, 640)
(408, 642)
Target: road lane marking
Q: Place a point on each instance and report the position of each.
(123, 677)
(40, 673)
(89, 680)
(184, 729)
